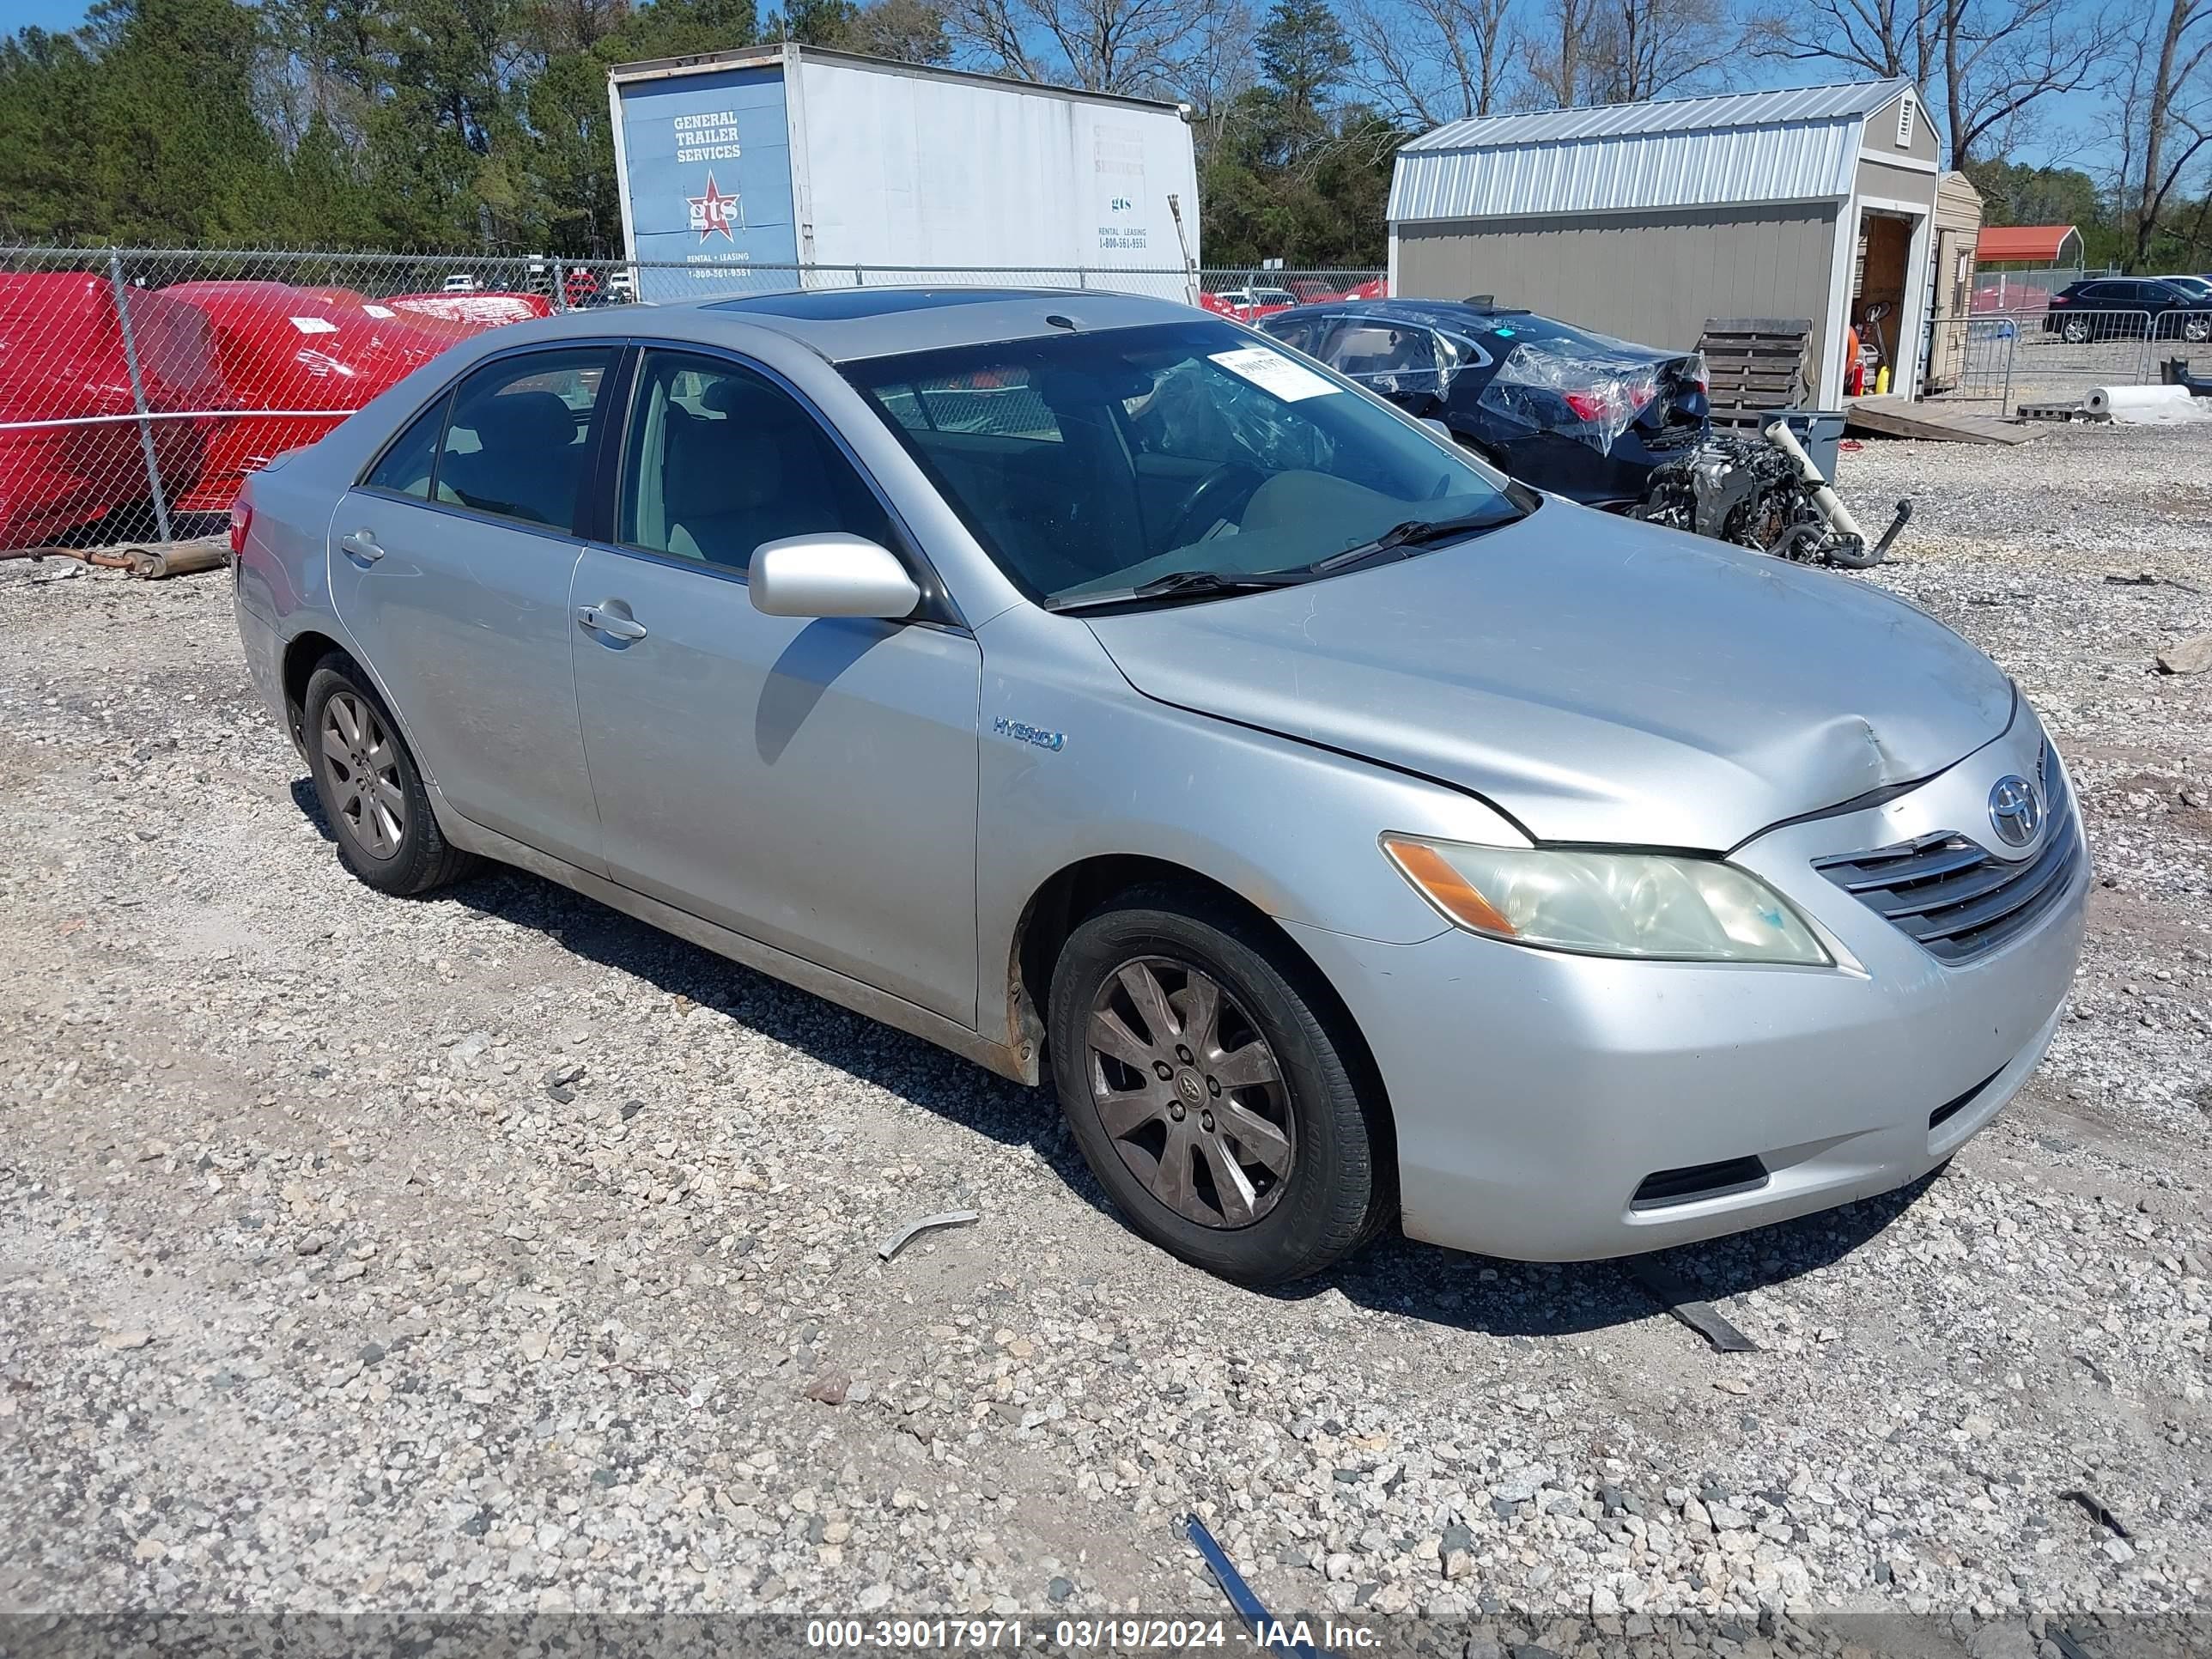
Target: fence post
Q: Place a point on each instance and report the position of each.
(2012, 350)
(138, 394)
(559, 284)
(860, 277)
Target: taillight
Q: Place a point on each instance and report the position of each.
(1609, 403)
(2061, 300)
(241, 521)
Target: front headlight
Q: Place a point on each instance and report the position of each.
(1610, 904)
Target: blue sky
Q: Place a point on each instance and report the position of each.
(56, 14)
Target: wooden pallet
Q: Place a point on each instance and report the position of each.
(1753, 366)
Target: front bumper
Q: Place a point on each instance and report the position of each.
(1534, 1092)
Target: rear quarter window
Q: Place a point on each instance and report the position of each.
(405, 467)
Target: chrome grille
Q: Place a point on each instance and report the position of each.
(1954, 896)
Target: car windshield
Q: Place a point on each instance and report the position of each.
(1189, 455)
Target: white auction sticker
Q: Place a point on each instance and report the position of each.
(1273, 372)
(379, 311)
(314, 325)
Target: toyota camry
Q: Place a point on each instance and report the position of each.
(1350, 836)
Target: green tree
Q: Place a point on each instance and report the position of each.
(178, 157)
(45, 142)
(912, 31)
(326, 203)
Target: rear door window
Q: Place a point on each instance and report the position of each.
(518, 436)
(1300, 332)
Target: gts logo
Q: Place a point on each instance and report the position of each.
(1021, 731)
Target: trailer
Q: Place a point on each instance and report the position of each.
(784, 165)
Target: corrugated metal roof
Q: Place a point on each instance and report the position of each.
(1659, 170)
(1791, 146)
(2017, 243)
(1856, 99)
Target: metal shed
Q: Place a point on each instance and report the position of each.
(1644, 220)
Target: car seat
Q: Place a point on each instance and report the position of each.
(752, 469)
(509, 471)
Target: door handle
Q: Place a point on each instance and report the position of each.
(363, 546)
(613, 623)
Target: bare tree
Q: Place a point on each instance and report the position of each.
(992, 30)
(1639, 49)
(1557, 54)
(1888, 38)
(2000, 58)
(2166, 108)
(1427, 61)
(1103, 45)
(1217, 70)
(1982, 63)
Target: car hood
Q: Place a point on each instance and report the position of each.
(1598, 679)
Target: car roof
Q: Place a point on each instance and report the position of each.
(847, 325)
(1445, 312)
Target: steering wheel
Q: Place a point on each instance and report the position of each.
(1221, 494)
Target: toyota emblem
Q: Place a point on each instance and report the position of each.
(2015, 811)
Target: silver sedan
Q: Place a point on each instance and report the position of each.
(1100, 691)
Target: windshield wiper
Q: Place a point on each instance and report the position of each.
(1190, 584)
(1414, 532)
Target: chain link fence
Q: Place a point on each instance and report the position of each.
(138, 387)
(2003, 293)
(2054, 357)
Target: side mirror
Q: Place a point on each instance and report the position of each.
(831, 574)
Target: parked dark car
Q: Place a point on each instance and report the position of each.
(1574, 412)
(2121, 307)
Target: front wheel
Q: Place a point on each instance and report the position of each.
(1197, 1061)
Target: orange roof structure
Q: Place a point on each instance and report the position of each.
(2024, 244)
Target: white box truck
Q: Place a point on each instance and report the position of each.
(782, 165)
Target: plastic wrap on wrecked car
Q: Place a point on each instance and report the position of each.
(1591, 390)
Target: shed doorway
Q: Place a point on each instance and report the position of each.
(1879, 282)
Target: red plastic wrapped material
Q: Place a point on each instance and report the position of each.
(475, 312)
(308, 356)
(62, 359)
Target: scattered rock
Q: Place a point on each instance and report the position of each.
(2192, 655)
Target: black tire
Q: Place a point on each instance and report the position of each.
(421, 857)
(2074, 330)
(1340, 1189)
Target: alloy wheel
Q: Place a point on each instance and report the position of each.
(364, 764)
(1190, 1092)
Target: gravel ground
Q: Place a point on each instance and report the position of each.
(493, 1252)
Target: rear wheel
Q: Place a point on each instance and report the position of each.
(370, 787)
(2074, 330)
(1196, 1061)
